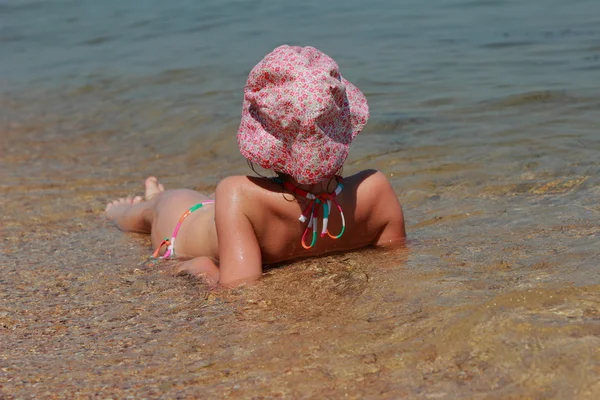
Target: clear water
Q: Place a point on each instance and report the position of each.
(484, 114)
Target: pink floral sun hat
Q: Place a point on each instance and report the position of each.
(299, 115)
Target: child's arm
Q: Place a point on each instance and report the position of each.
(240, 259)
(200, 267)
(389, 208)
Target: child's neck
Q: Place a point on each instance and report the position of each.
(327, 185)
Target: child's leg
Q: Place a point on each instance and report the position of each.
(158, 215)
(134, 214)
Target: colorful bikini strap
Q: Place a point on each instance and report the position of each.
(312, 210)
(170, 243)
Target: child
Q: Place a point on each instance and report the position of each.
(298, 118)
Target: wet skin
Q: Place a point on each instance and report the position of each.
(254, 222)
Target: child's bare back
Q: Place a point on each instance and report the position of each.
(298, 119)
(372, 216)
(255, 221)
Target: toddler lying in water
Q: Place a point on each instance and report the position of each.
(298, 118)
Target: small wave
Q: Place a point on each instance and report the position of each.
(395, 124)
(503, 45)
(590, 68)
(534, 97)
(550, 34)
(6, 37)
(6, 7)
(473, 4)
(97, 41)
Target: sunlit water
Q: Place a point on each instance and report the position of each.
(485, 115)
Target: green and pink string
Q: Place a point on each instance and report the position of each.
(170, 243)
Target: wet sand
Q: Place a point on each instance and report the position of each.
(495, 297)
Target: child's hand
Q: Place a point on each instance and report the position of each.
(199, 267)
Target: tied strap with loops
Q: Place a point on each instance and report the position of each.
(325, 200)
(170, 243)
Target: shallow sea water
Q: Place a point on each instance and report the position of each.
(484, 115)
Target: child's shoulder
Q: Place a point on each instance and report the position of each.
(232, 181)
(369, 180)
(243, 182)
(371, 187)
(241, 187)
(377, 201)
(373, 176)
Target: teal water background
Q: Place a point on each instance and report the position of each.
(443, 72)
(400, 53)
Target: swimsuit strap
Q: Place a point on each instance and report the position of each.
(326, 200)
(170, 243)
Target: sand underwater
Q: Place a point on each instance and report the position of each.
(496, 296)
(492, 146)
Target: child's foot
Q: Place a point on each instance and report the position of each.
(117, 208)
(153, 187)
(129, 213)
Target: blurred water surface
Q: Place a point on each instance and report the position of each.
(484, 115)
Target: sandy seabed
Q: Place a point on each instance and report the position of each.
(495, 297)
